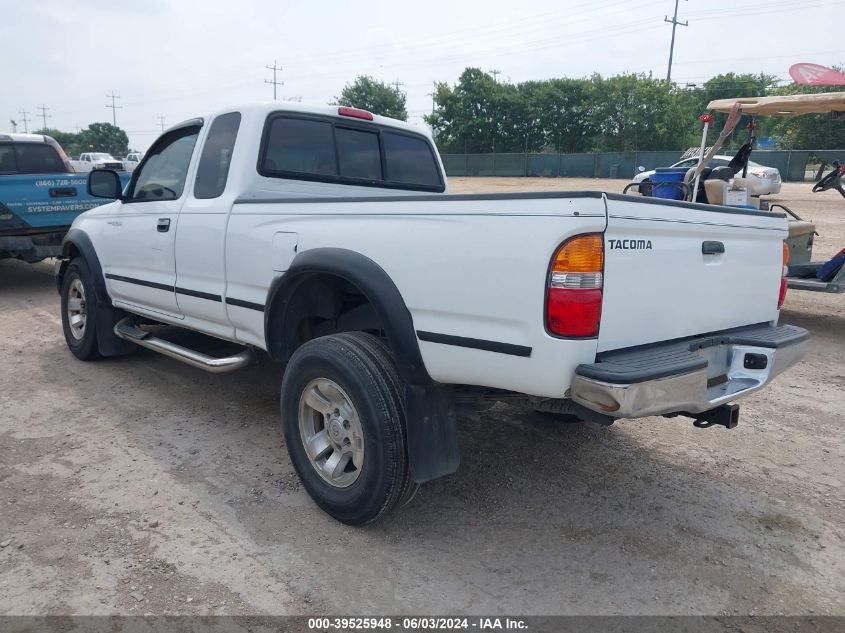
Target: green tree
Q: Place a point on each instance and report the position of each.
(373, 95)
(70, 142)
(104, 137)
(468, 117)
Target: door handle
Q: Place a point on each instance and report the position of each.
(163, 225)
(712, 248)
(63, 192)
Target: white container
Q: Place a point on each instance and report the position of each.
(736, 197)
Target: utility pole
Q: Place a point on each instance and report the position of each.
(674, 22)
(433, 95)
(24, 114)
(397, 85)
(495, 72)
(275, 83)
(44, 116)
(161, 121)
(114, 108)
(77, 128)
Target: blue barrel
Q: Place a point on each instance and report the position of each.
(665, 181)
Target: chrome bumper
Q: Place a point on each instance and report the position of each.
(716, 373)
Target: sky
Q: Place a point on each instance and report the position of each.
(178, 59)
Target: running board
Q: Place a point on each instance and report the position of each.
(126, 330)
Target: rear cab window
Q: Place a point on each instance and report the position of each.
(327, 149)
(30, 158)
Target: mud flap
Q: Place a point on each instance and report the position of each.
(432, 431)
(109, 344)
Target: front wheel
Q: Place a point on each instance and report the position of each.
(79, 309)
(344, 426)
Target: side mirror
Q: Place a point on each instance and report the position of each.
(104, 183)
(640, 169)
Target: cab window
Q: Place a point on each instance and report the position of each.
(410, 161)
(163, 175)
(216, 157)
(334, 150)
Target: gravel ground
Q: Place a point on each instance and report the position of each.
(138, 485)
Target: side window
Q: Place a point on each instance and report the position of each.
(163, 176)
(38, 158)
(358, 153)
(213, 168)
(410, 161)
(8, 163)
(299, 146)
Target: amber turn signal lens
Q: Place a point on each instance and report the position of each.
(583, 254)
(785, 253)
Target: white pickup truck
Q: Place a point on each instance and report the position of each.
(89, 161)
(131, 161)
(324, 237)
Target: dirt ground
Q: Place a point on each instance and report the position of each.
(139, 485)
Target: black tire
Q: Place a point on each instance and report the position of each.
(645, 187)
(82, 345)
(384, 357)
(92, 344)
(360, 365)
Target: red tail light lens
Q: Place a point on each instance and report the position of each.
(784, 273)
(574, 292)
(355, 113)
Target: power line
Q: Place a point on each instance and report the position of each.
(114, 108)
(44, 116)
(24, 114)
(275, 83)
(674, 22)
(495, 72)
(397, 84)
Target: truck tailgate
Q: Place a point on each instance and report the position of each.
(674, 270)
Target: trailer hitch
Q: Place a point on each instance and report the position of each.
(726, 415)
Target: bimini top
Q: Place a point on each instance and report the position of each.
(786, 106)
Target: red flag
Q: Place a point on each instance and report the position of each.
(815, 75)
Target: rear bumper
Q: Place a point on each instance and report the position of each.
(690, 375)
(32, 248)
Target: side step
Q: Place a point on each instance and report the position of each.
(126, 330)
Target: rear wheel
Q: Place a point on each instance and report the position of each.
(645, 187)
(344, 426)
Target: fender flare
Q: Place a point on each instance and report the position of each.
(79, 239)
(106, 315)
(368, 277)
(432, 434)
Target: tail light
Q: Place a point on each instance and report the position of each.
(574, 293)
(355, 113)
(784, 273)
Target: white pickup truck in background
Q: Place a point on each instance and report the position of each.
(325, 238)
(89, 161)
(131, 161)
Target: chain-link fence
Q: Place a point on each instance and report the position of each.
(795, 165)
